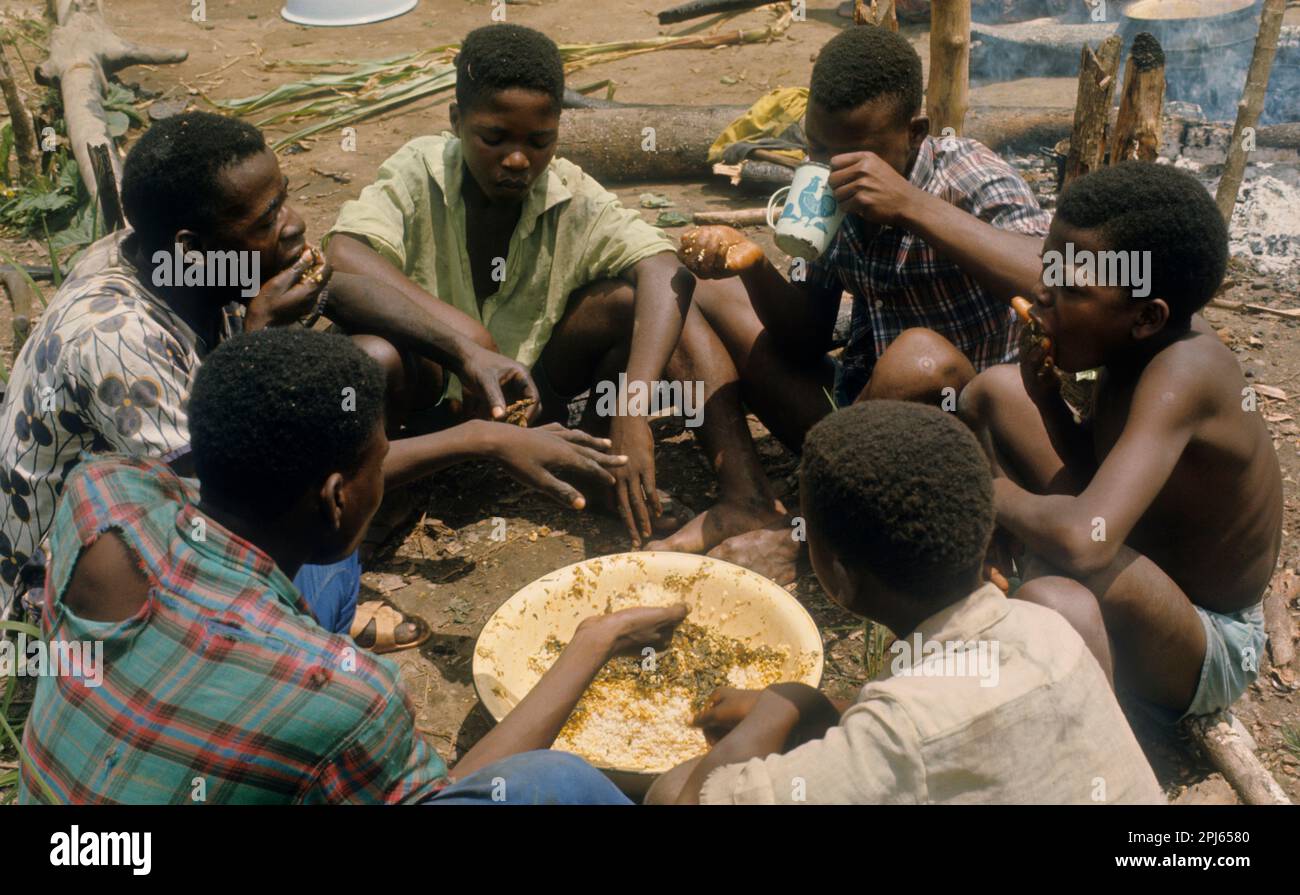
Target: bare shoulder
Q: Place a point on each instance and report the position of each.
(1197, 371)
(107, 584)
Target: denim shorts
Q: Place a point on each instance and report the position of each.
(1234, 647)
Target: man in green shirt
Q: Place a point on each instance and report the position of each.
(511, 247)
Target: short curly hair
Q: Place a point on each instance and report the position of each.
(863, 63)
(498, 57)
(170, 177)
(1146, 207)
(270, 416)
(902, 490)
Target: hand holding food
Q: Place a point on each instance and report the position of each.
(716, 252)
(1037, 368)
(290, 295)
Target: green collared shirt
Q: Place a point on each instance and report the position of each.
(571, 232)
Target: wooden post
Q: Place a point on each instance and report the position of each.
(29, 156)
(947, 98)
(1251, 104)
(881, 13)
(1137, 126)
(1097, 73)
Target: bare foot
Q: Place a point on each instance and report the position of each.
(719, 522)
(771, 552)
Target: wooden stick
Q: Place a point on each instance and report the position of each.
(25, 146)
(1137, 126)
(1277, 618)
(1226, 750)
(1097, 73)
(110, 201)
(1251, 104)
(880, 13)
(1288, 313)
(745, 217)
(948, 96)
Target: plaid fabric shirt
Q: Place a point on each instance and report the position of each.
(898, 281)
(221, 685)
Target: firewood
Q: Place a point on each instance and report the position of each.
(1277, 617)
(745, 217)
(1137, 126)
(1097, 73)
(1252, 103)
(1227, 750)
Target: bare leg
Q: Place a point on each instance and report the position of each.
(998, 409)
(787, 395)
(747, 501)
(1076, 604)
(668, 785)
(920, 365)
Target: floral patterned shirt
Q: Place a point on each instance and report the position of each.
(107, 368)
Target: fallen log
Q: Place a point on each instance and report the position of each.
(84, 51)
(1137, 125)
(1227, 750)
(948, 95)
(1277, 618)
(1097, 73)
(699, 8)
(643, 143)
(1251, 104)
(608, 143)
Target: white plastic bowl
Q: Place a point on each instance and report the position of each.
(731, 600)
(344, 12)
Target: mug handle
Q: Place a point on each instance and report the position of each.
(773, 201)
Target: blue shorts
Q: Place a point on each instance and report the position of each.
(543, 777)
(1234, 647)
(331, 592)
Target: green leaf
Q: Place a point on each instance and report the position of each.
(118, 122)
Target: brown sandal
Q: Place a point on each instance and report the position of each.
(386, 620)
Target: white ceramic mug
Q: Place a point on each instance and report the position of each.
(810, 218)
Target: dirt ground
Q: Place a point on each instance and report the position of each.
(448, 569)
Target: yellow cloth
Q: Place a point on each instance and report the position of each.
(571, 232)
(771, 116)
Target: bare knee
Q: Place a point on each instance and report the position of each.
(384, 353)
(668, 785)
(920, 365)
(1078, 606)
(994, 386)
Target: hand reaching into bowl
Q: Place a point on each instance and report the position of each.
(629, 631)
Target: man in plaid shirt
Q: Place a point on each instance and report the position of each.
(213, 682)
(939, 234)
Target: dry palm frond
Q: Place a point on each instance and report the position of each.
(370, 87)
